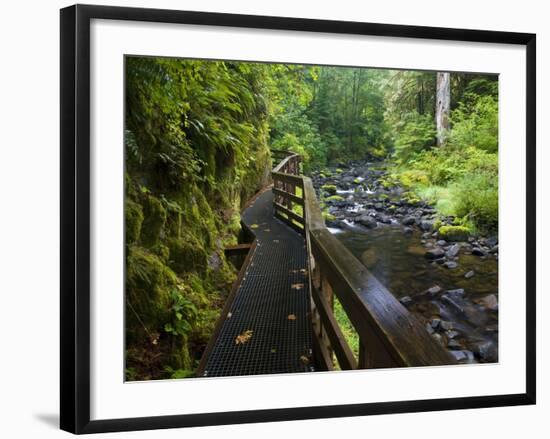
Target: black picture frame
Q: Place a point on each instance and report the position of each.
(75, 217)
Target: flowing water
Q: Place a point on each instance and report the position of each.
(398, 261)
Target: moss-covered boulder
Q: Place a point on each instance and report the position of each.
(454, 233)
(329, 189)
(154, 220)
(134, 220)
(187, 254)
(334, 198)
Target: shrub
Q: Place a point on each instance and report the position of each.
(476, 124)
(415, 133)
(476, 196)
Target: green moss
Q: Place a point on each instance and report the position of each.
(329, 189)
(339, 171)
(134, 220)
(187, 254)
(335, 198)
(154, 219)
(149, 282)
(358, 180)
(454, 233)
(328, 217)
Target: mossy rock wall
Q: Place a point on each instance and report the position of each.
(197, 149)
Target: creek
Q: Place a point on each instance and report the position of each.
(450, 285)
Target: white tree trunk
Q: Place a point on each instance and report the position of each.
(442, 106)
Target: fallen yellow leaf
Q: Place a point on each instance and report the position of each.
(291, 317)
(304, 359)
(297, 286)
(244, 337)
(254, 226)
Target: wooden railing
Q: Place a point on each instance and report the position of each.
(389, 335)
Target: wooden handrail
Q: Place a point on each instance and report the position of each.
(390, 336)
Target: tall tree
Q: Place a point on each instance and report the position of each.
(442, 106)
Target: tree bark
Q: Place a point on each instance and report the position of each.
(442, 106)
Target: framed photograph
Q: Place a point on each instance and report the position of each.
(268, 218)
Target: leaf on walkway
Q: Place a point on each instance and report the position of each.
(267, 230)
(301, 271)
(297, 286)
(276, 241)
(273, 350)
(254, 226)
(229, 315)
(244, 337)
(291, 317)
(304, 359)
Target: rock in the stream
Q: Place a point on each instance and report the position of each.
(445, 325)
(486, 351)
(384, 219)
(441, 243)
(452, 334)
(429, 329)
(462, 356)
(452, 302)
(476, 251)
(367, 221)
(426, 225)
(408, 230)
(453, 344)
(436, 289)
(450, 264)
(435, 253)
(453, 251)
(457, 293)
(435, 323)
(406, 300)
(490, 302)
(470, 274)
(408, 221)
(492, 241)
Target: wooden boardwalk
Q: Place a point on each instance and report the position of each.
(267, 329)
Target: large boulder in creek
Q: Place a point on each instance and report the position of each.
(454, 233)
(408, 221)
(367, 221)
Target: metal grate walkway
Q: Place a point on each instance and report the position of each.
(267, 329)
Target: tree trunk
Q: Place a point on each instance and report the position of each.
(442, 106)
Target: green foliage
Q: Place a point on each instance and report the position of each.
(178, 373)
(184, 313)
(476, 125)
(335, 198)
(350, 334)
(196, 142)
(414, 134)
(476, 197)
